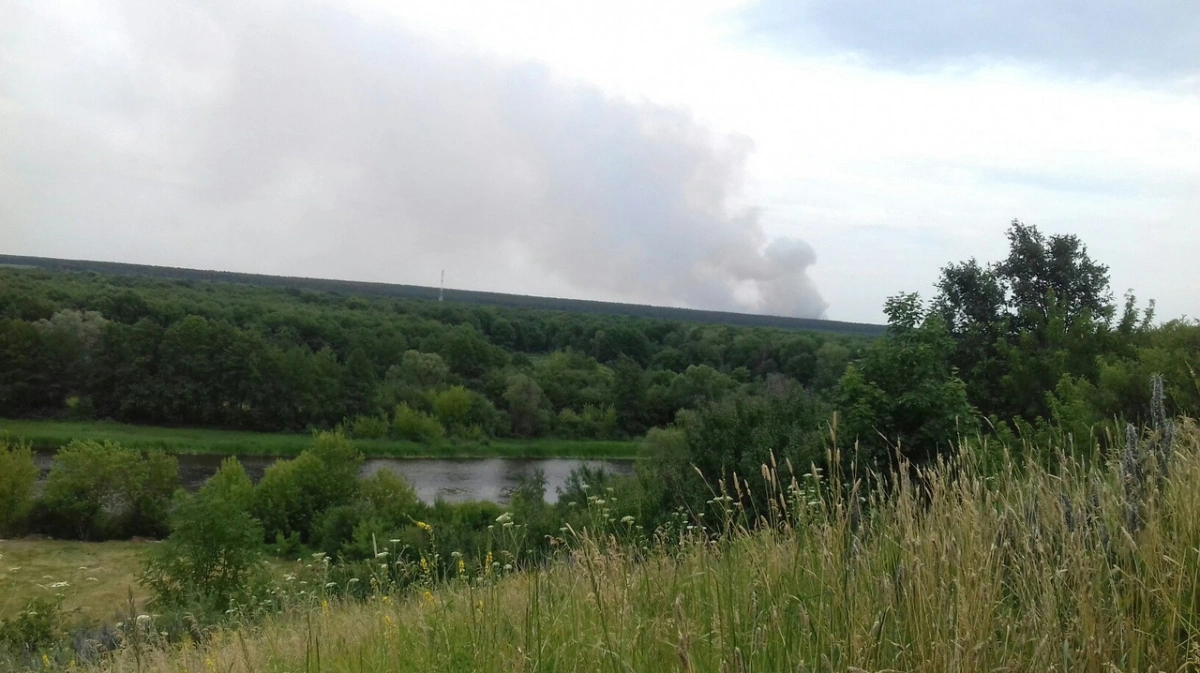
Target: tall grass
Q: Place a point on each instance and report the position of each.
(1089, 566)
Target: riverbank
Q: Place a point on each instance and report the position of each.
(49, 435)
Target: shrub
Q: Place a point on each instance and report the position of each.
(104, 490)
(385, 510)
(293, 493)
(37, 626)
(215, 546)
(369, 427)
(18, 474)
(416, 426)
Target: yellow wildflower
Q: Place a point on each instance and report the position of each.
(324, 606)
(428, 596)
(462, 567)
(424, 526)
(45, 661)
(424, 565)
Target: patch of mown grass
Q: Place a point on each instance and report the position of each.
(94, 579)
(55, 434)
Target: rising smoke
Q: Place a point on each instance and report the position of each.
(293, 138)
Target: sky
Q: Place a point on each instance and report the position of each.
(806, 158)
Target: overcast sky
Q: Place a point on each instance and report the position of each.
(806, 157)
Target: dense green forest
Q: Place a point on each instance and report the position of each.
(141, 349)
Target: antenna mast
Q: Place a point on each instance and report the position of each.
(442, 287)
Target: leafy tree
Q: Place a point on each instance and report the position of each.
(904, 393)
(1021, 324)
(292, 494)
(528, 407)
(738, 435)
(213, 554)
(104, 490)
(18, 474)
(629, 395)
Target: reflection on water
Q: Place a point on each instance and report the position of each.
(452, 480)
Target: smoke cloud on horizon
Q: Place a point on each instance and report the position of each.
(280, 137)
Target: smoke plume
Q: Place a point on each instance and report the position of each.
(283, 137)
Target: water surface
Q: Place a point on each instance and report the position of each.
(453, 480)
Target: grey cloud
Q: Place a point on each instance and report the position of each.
(293, 138)
(1148, 39)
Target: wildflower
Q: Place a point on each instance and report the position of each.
(462, 567)
(424, 565)
(381, 554)
(45, 661)
(324, 606)
(424, 526)
(627, 520)
(387, 619)
(428, 596)
(504, 518)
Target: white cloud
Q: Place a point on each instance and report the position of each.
(889, 173)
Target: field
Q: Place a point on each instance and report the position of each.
(54, 434)
(94, 578)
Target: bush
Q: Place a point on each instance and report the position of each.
(213, 553)
(385, 510)
(293, 493)
(369, 427)
(416, 426)
(103, 490)
(18, 474)
(35, 627)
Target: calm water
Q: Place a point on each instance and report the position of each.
(452, 480)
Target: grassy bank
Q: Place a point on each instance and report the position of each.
(1086, 568)
(94, 579)
(54, 434)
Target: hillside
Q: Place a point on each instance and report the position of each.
(496, 299)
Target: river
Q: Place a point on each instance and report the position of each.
(453, 480)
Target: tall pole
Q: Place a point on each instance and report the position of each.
(442, 287)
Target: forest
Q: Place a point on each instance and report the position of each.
(85, 345)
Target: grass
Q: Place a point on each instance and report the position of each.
(54, 434)
(1093, 566)
(98, 576)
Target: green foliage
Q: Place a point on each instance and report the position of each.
(904, 395)
(528, 408)
(18, 474)
(466, 414)
(687, 465)
(36, 627)
(1022, 324)
(593, 421)
(212, 557)
(370, 427)
(416, 426)
(292, 494)
(452, 407)
(104, 490)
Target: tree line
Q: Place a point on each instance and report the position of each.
(148, 350)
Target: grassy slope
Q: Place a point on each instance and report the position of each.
(1033, 572)
(100, 575)
(53, 434)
